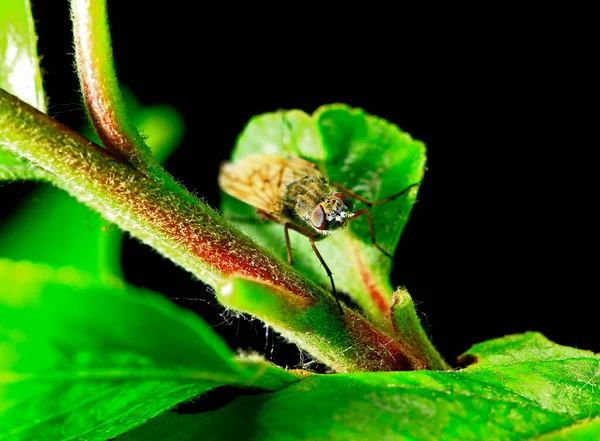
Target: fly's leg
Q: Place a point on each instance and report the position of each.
(371, 229)
(286, 227)
(287, 244)
(311, 237)
(372, 204)
(328, 271)
(381, 201)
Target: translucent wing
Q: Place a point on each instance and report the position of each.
(261, 180)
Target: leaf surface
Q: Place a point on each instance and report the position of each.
(19, 75)
(81, 359)
(523, 388)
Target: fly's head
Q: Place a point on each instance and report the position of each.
(332, 214)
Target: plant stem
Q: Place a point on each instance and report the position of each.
(102, 97)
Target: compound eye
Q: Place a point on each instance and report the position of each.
(345, 200)
(318, 218)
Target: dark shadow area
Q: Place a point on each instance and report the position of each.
(215, 399)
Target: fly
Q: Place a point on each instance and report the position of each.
(294, 193)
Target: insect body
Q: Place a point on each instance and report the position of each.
(293, 192)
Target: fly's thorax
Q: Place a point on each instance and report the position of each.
(302, 196)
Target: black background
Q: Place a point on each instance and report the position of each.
(503, 238)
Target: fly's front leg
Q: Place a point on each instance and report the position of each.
(286, 227)
(371, 229)
(372, 204)
(327, 270)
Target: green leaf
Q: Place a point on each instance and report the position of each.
(19, 75)
(519, 393)
(19, 67)
(13, 168)
(517, 348)
(365, 154)
(81, 359)
(52, 227)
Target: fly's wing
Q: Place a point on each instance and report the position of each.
(261, 180)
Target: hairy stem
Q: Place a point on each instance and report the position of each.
(102, 97)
